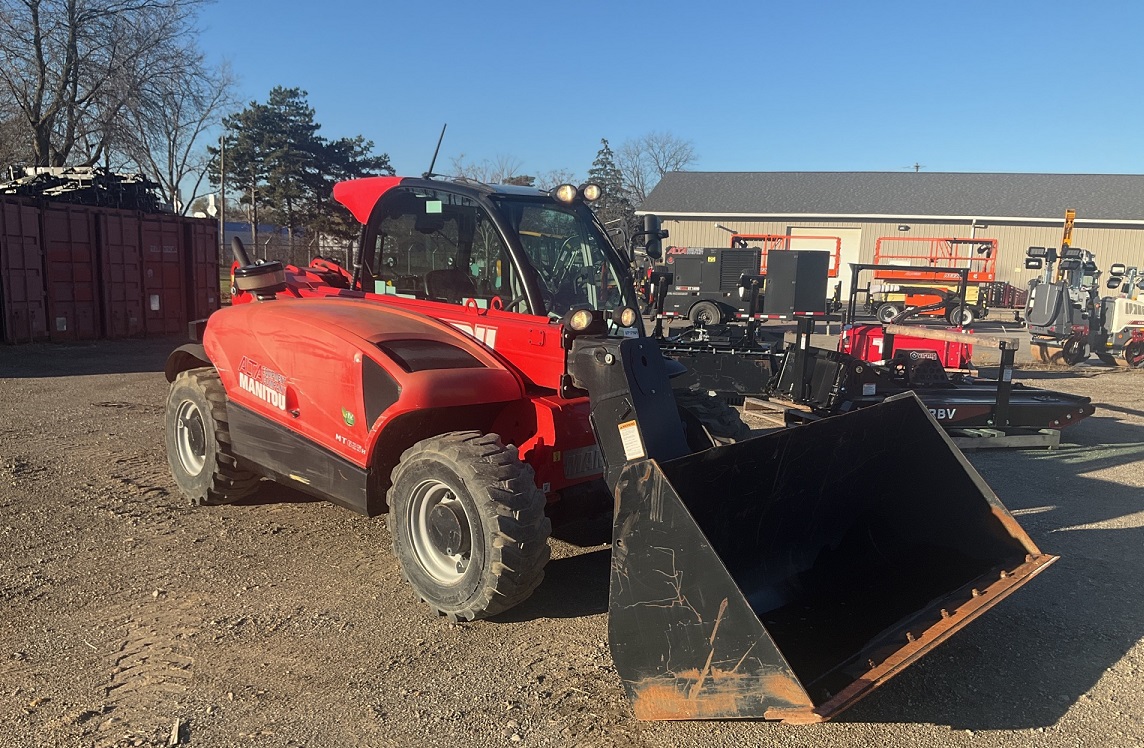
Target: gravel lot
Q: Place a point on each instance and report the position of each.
(131, 618)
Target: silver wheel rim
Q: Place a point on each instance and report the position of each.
(190, 437)
(445, 564)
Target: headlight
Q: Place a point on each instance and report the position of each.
(565, 193)
(625, 316)
(580, 320)
(591, 192)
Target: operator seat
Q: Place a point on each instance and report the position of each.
(452, 284)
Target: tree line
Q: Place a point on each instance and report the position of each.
(123, 84)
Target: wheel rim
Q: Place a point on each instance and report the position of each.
(190, 437)
(441, 531)
(703, 316)
(888, 313)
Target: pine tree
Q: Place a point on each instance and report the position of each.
(286, 170)
(614, 209)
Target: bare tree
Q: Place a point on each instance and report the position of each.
(498, 171)
(74, 67)
(644, 160)
(556, 177)
(168, 124)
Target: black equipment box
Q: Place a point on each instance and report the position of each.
(796, 282)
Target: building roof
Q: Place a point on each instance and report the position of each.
(1096, 197)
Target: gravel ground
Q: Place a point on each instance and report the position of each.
(131, 618)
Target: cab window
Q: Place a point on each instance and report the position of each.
(442, 247)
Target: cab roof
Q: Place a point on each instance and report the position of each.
(360, 195)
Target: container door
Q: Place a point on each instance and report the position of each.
(121, 269)
(164, 285)
(23, 304)
(69, 249)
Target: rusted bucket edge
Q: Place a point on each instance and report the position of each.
(918, 644)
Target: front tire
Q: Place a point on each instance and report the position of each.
(468, 524)
(198, 441)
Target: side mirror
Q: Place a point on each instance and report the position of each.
(1034, 263)
(653, 237)
(1117, 269)
(1113, 282)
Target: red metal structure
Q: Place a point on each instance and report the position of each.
(768, 242)
(979, 255)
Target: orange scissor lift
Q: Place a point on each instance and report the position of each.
(908, 278)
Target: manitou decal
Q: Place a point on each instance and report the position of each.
(265, 384)
(943, 414)
(483, 333)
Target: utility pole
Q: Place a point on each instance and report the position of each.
(222, 195)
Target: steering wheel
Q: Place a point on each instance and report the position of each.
(560, 273)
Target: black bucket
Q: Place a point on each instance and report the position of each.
(787, 576)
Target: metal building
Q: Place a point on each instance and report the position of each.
(1018, 210)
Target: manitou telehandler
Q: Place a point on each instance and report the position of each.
(484, 360)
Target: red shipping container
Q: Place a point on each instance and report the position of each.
(201, 240)
(70, 268)
(121, 273)
(164, 286)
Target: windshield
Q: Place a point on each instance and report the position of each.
(575, 264)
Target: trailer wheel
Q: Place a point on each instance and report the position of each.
(1074, 351)
(961, 316)
(198, 441)
(721, 421)
(1134, 354)
(886, 312)
(468, 524)
(705, 313)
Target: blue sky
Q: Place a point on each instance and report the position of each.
(755, 86)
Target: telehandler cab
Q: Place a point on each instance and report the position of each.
(484, 360)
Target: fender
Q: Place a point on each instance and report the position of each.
(188, 356)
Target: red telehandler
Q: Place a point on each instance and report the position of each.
(484, 360)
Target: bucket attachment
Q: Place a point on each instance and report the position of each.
(787, 576)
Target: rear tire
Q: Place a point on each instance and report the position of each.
(886, 313)
(721, 421)
(468, 524)
(198, 441)
(705, 313)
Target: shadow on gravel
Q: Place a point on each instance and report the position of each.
(270, 492)
(572, 588)
(1028, 661)
(36, 360)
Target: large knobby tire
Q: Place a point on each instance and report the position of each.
(705, 313)
(722, 422)
(468, 524)
(198, 441)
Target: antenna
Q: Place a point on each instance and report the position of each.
(915, 166)
(429, 174)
